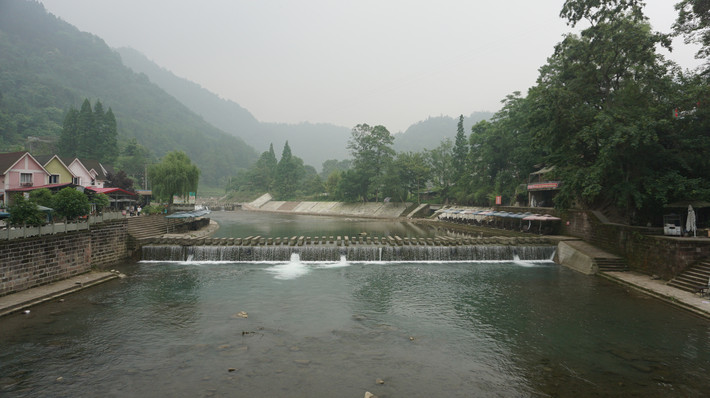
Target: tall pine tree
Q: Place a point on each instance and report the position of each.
(89, 134)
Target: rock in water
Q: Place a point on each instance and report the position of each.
(370, 395)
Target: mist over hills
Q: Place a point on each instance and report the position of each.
(48, 66)
(428, 134)
(313, 142)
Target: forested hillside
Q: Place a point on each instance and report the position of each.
(306, 139)
(429, 133)
(47, 66)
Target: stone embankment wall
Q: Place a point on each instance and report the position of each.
(368, 209)
(36, 261)
(643, 248)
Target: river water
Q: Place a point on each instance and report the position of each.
(331, 329)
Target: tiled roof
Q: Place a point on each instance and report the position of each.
(94, 164)
(9, 159)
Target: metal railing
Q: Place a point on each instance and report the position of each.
(15, 232)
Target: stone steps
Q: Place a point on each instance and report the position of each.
(143, 228)
(692, 279)
(611, 264)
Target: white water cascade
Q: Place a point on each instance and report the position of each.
(360, 253)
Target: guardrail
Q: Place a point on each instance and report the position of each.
(8, 232)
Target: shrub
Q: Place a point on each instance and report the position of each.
(25, 212)
(71, 204)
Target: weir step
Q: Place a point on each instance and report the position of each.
(395, 241)
(383, 252)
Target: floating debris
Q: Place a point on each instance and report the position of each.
(240, 314)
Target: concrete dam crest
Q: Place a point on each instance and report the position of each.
(355, 249)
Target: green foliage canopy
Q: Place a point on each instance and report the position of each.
(25, 212)
(174, 175)
(71, 203)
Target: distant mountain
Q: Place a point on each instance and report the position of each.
(48, 66)
(429, 133)
(314, 143)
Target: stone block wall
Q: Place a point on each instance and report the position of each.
(642, 248)
(109, 243)
(36, 261)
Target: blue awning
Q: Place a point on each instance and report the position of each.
(189, 214)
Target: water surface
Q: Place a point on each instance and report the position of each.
(330, 329)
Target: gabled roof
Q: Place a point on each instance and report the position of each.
(96, 166)
(8, 160)
(45, 159)
(69, 161)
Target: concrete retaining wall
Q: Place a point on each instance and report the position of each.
(575, 259)
(641, 247)
(368, 209)
(36, 261)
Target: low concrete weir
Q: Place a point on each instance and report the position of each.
(355, 248)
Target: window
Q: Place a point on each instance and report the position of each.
(76, 180)
(54, 179)
(26, 179)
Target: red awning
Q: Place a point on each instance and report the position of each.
(50, 186)
(111, 190)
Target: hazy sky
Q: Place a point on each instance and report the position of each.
(389, 62)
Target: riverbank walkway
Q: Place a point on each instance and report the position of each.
(22, 301)
(659, 289)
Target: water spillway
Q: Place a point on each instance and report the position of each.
(356, 249)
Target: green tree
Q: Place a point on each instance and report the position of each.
(333, 165)
(694, 24)
(133, 160)
(352, 186)
(331, 183)
(599, 106)
(101, 201)
(84, 131)
(372, 151)
(440, 160)
(70, 203)
(262, 175)
(89, 134)
(412, 172)
(42, 197)
(289, 172)
(175, 175)
(460, 154)
(502, 153)
(68, 137)
(25, 212)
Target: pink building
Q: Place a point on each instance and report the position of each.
(19, 170)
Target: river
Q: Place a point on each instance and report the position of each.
(332, 329)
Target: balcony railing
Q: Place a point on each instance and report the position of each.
(7, 232)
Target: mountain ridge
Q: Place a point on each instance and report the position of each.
(49, 66)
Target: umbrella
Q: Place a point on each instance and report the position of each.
(690, 222)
